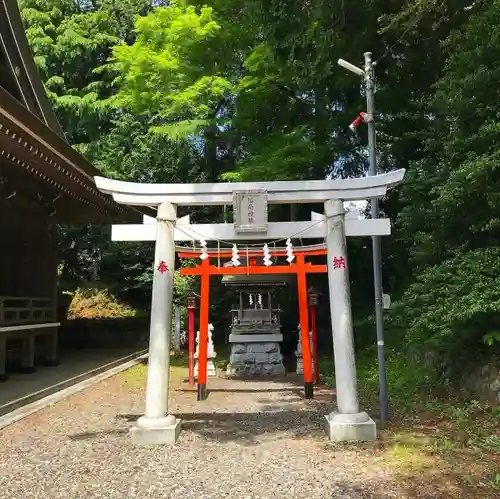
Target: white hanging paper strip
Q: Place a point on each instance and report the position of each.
(267, 256)
(204, 253)
(250, 299)
(235, 257)
(289, 251)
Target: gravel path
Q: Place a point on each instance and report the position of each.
(247, 440)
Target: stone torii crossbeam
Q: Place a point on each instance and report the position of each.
(250, 201)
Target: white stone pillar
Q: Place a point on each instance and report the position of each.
(211, 354)
(157, 426)
(347, 423)
(177, 329)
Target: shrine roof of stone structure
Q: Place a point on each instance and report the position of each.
(258, 280)
(36, 161)
(278, 192)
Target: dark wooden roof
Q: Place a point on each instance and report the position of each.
(19, 73)
(36, 161)
(257, 280)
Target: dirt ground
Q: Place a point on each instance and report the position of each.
(249, 439)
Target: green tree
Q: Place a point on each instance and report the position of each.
(450, 221)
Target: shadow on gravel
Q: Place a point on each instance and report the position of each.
(243, 390)
(248, 428)
(347, 490)
(424, 485)
(252, 428)
(384, 478)
(96, 434)
(243, 428)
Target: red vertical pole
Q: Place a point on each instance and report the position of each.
(203, 344)
(304, 327)
(191, 345)
(315, 343)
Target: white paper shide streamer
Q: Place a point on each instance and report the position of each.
(267, 256)
(235, 258)
(204, 252)
(289, 251)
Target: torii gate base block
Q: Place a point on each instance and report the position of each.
(338, 429)
(166, 434)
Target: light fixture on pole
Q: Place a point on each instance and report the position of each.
(368, 74)
(361, 118)
(350, 67)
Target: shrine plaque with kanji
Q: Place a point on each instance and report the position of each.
(250, 211)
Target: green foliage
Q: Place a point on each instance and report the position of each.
(449, 219)
(164, 73)
(70, 43)
(417, 400)
(279, 156)
(452, 303)
(249, 90)
(495, 481)
(96, 303)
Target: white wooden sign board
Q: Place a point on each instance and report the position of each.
(250, 211)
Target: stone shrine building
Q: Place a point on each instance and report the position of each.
(256, 327)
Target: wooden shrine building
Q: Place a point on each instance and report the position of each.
(43, 182)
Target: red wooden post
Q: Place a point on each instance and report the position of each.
(205, 270)
(203, 341)
(191, 306)
(313, 302)
(304, 326)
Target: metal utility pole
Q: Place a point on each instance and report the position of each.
(368, 74)
(369, 78)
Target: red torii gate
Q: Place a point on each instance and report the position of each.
(300, 267)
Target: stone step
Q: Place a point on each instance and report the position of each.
(256, 358)
(256, 370)
(246, 329)
(237, 348)
(255, 338)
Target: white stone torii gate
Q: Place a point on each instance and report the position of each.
(347, 422)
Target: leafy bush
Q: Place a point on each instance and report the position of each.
(95, 303)
(452, 309)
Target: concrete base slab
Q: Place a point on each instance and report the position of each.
(156, 436)
(344, 431)
(255, 338)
